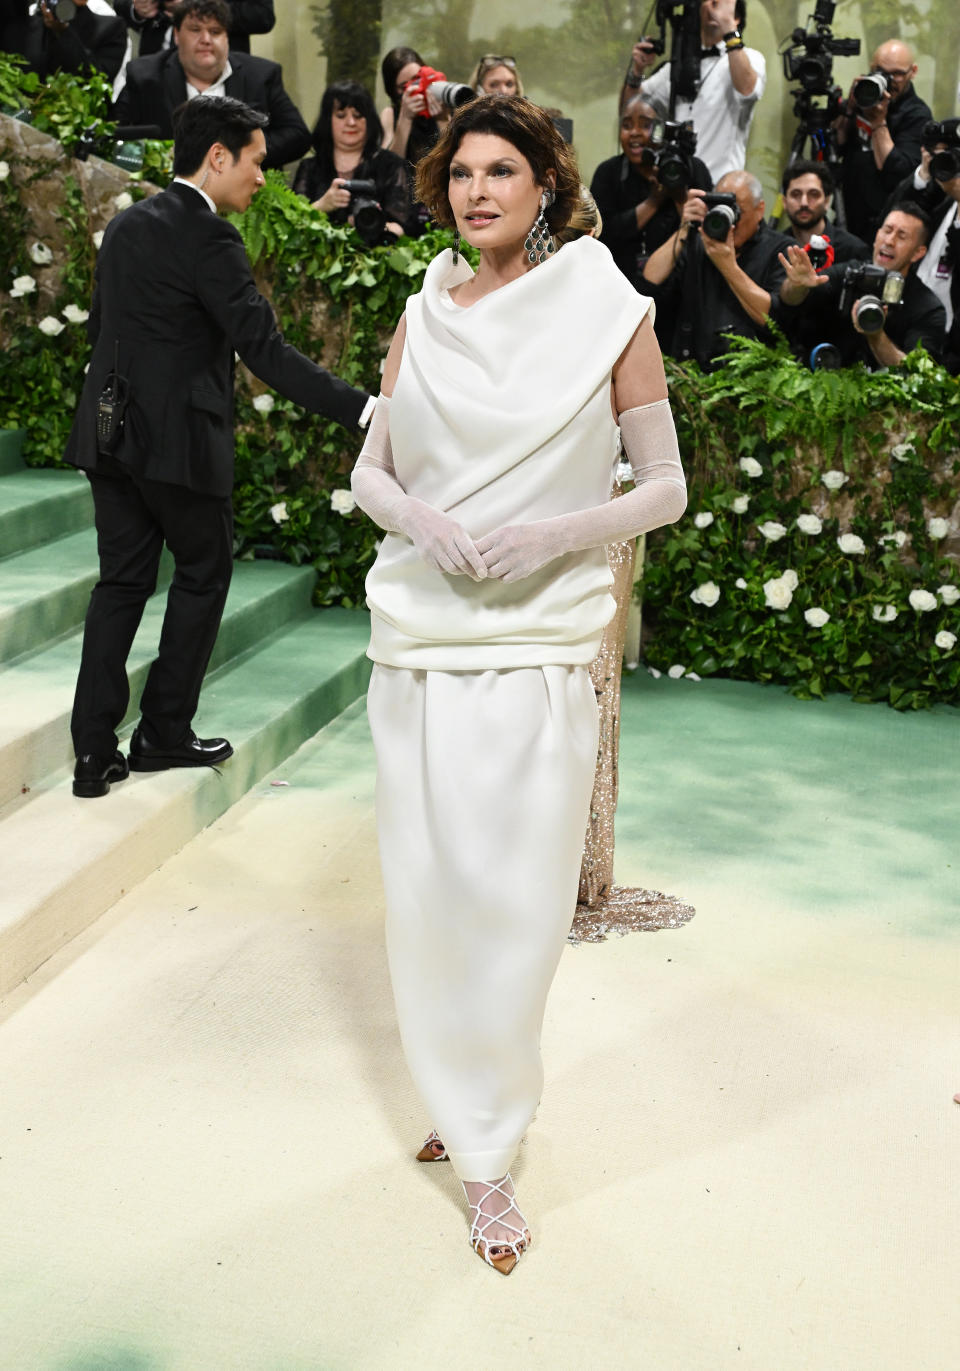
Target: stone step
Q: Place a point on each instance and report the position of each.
(66, 861)
(37, 688)
(37, 506)
(11, 450)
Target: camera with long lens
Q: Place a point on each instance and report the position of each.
(877, 290)
(671, 151)
(62, 10)
(723, 214)
(369, 217)
(449, 94)
(869, 90)
(944, 165)
(809, 57)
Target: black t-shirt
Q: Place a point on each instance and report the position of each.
(696, 307)
(865, 189)
(618, 188)
(919, 318)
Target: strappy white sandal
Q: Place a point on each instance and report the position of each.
(433, 1149)
(508, 1250)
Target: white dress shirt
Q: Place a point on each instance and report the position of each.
(721, 115)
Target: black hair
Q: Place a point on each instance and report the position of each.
(344, 95)
(391, 67)
(807, 168)
(203, 9)
(199, 123)
(915, 212)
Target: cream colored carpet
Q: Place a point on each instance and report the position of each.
(747, 1154)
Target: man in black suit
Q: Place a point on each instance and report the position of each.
(174, 299)
(152, 20)
(85, 41)
(201, 63)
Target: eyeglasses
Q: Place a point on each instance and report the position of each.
(490, 59)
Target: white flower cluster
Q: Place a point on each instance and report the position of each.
(751, 467)
(922, 601)
(707, 594)
(816, 617)
(22, 285)
(851, 543)
(898, 538)
(809, 523)
(342, 501)
(949, 594)
(278, 512)
(938, 528)
(778, 591)
(946, 641)
(740, 504)
(51, 326)
(772, 531)
(833, 480)
(703, 520)
(263, 404)
(884, 614)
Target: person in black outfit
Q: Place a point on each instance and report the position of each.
(809, 301)
(152, 19)
(174, 299)
(880, 145)
(703, 288)
(807, 189)
(638, 214)
(88, 41)
(346, 142)
(201, 62)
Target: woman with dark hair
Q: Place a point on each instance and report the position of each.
(412, 122)
(489, 462)
(346, 143)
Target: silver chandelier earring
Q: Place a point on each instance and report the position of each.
(539, 243)
(456, 246)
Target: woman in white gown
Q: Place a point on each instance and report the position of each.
(489, 462)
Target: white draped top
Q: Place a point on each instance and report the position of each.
(501, 415)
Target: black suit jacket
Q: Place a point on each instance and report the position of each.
(156, 85)
(89, 40)
(246, 17)
(174, 299)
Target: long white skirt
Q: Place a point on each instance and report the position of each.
(483, 788)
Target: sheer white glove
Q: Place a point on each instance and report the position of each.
(518, 550)
(440, 541)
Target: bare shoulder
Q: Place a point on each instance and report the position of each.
(391, 367)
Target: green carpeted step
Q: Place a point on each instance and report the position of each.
(36, 506)
(37, 689)
(11, 450)
(65, 861)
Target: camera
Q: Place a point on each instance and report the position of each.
(723, 213)
(369, 218)
(825, 357)
(657, 45)
(809, 57)
(62, 10)
(870, 89)
(944, 165)
(451, 94)
(875, 288)
(671, 151)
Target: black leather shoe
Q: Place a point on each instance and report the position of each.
(92, 776)
(193, 751)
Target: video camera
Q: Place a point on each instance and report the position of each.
(369, 217)
(809, 57)
(452, 94)
(876, 289)
(671, 151)
(723, 214)
(945, 165)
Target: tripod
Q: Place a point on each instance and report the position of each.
(815, 122)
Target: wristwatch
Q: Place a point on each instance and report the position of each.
(733, 40)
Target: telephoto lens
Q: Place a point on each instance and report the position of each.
(451, 94)
(870, 90)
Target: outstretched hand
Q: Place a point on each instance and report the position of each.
(516, 551)
(442, 543)
(800, 270)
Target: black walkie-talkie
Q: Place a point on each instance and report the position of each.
(110, 408)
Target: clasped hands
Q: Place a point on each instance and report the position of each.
(510, 553)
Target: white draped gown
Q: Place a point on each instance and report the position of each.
(483, 716)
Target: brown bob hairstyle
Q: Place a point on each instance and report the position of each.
(518, 121)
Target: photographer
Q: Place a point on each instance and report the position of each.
(807, 189)
(412, 122)
(83, 42)
(346, 142)
(638, 213)
(879, 135)
(815, 309)
(938, 178)
(153, 21)
(732, 78)
(717, 274)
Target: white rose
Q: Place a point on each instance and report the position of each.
(263, 404)
(898, 537)
(97, 239)
(850, 542)
(704, 519)
(777, 593)
(833, 480)
(751, 467)
(938, 528)
(740, 504)
(74, 314)
(790, 578)
(342, 501)
(902, 452)
(676, 671)
(816, 617)
(740, 583)
(708, 594)
(692, 676)
(946, 641)
(652, 671)
(41, 254)
(50, 326)
(23, 285)
(278, 513)
(809, 523)
(772, 531)
(124, 200)
(4, 170)
(884, 614)
(922, 601)
(949, 594)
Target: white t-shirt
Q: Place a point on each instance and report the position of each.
(721, 115)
